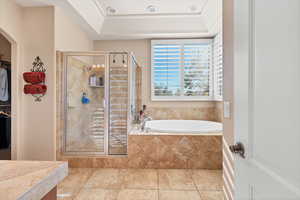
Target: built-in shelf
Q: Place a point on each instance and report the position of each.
(96, 86)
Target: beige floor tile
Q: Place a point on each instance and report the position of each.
(138, 195)
(77, 177)
(175, 179)
(140, 179)
(212, 195)
(178, 195)
(97, 194)
(105, 179)
(208, 179)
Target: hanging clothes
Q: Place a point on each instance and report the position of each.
(3, 85)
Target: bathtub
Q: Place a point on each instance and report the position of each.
(176, 144)
(184, 127)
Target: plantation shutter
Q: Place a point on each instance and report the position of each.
(197, 68)
(182, 69)
(166, 69)
(218, 66)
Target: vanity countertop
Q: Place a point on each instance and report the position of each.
(24, 180)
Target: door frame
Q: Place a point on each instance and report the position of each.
(15, 97)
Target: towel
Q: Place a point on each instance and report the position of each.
(3, 85)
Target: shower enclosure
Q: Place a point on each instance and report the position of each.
(98, 102)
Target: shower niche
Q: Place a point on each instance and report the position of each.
(96, 102)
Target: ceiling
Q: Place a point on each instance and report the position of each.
(137, 19)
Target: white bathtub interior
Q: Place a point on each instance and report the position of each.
(183, 126)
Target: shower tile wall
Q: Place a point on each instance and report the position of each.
(84, 121)
(219, 111)
(210, 112)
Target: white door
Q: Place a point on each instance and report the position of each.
(267, 99)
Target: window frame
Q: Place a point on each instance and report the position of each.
(182, 98)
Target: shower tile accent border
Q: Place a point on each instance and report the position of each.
(161, 152)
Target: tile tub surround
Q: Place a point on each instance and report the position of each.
(209, 112)
(161, 152)
(141, 184)
(25, 180)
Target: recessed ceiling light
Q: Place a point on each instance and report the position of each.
(193, 8)
(151, 8)
(110, 10)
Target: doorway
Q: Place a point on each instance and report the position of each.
(5, 98)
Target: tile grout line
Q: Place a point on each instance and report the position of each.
(192, 171)
(157, 170)
(83, 184)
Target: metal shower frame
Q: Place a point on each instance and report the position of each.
(130, 59)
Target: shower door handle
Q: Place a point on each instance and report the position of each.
(104, 103)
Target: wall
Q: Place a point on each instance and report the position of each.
(12, 30)
(68, 35)
(29, 30)
(219, 111)
(31, 33)
(161, 109)
(5, 49)
(38, 33)
(228, 57)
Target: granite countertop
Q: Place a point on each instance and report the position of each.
(24, 180)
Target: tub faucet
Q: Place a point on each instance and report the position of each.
(143, 124)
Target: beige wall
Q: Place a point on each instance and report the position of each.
(12, 30)
(68, 35)
(228, 56)
(5, 49)
(142, 52)
(228, 67)
(36, 32)
(30, 30)
(38, 138)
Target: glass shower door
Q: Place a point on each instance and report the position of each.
(86, 110)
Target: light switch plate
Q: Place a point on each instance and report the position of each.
(227, 110)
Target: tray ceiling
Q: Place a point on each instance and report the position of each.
(139, 19)
(141, 7)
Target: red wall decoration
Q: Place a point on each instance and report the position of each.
(35, 80)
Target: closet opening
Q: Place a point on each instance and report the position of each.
(5, 98)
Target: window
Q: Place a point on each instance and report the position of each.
(182, 69)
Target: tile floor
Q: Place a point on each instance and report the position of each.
(141, 184)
